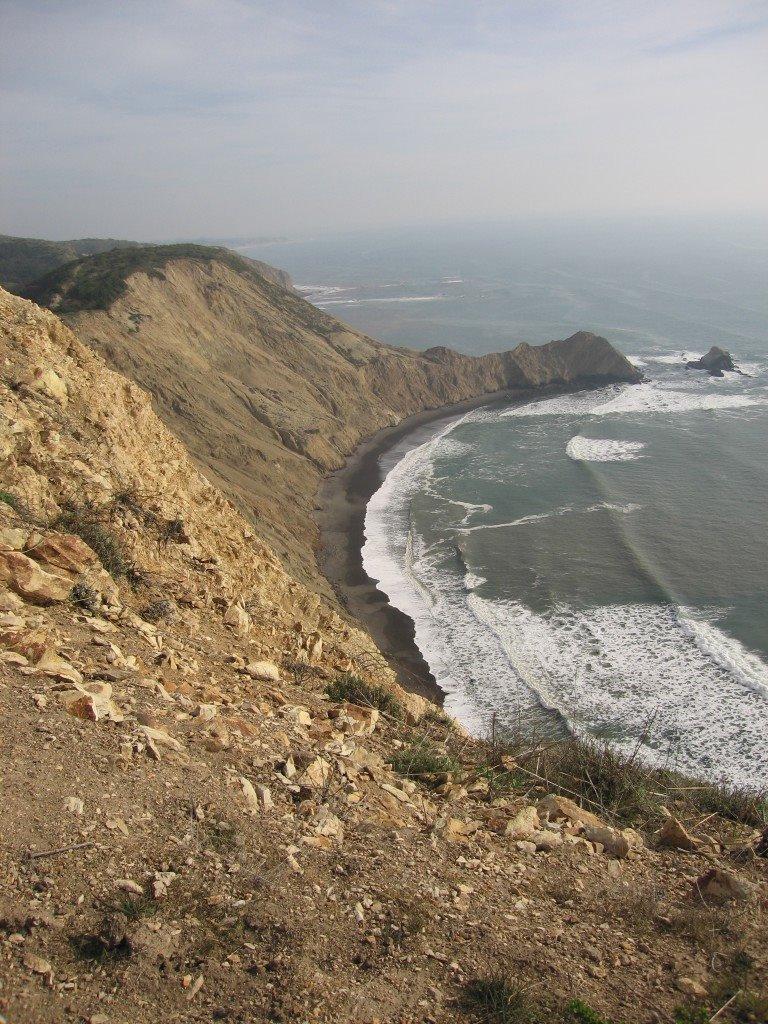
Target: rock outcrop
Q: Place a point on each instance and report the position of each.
(716, 362)
(268, 392)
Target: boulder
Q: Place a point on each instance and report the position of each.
(612, 841)
(12, 538)
(161, 738)
(60, 551)
(355, 720)
(264, 670)
(718, 886)
(92, 702)
(31, 582)
(52, 665)
(673, 834)
(545, 840)
(315, 775)
(715, 362)
(455, 830)
(238, 619)
(46, 381)
(556, 807)
(523, 824)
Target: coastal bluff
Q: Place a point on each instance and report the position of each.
(268, 392)
(220, 806)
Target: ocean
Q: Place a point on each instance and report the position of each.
(592, 563)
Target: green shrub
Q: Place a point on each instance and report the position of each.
(697, 1015)
(421, 759)
(17, 504)
(748, 807)
(583, 1013)
(84, 596)
(85, 521)
(97, 281)
(354, 690)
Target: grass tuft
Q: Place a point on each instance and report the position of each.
(86, 522)
(497, 1000)
(354, 690)
(610, 782)
(422, 759)
(579, 1011)
(18, 505)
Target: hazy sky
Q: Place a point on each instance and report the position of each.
(173, 118)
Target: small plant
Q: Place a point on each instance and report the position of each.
(577, 1010)
(354, 690)
(84, 597)
(421, 759)
(437, 717)
(134, 502)
(17, 504)
(749, 807)
(691, 1015)
(173, 531)
(498, 1000)
(135, 907)
(85, 521)
(158, 611)
(221, 836)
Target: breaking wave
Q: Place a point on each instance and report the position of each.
(637, 398)
(592, 449)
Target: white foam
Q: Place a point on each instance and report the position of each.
(472, 581)
(536, 517)
(726, 652)
(360, 302)
(580, 403)
(592, 449)
(636, 399)
(647, 398)
(629, 671)
(320, 289)
(675, 359)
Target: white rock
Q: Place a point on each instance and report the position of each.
(265, 670)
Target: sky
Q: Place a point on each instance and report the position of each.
(186, 118)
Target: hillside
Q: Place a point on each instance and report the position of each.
(23, 260)
(267, 392)
(206, 817)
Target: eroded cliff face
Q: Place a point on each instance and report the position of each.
(76, 435)
(268, 393)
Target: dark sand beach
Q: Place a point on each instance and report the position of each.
(343, 499)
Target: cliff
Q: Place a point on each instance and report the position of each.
(206, 817)
(267, 392)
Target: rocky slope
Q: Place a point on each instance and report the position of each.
(205, 818)
(266, 391)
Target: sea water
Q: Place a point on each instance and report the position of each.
(596, 561)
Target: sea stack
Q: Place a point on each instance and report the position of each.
(715, 362)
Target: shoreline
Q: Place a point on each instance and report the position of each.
(343, 499)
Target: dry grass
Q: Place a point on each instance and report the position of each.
(614, 784)
(354, 690)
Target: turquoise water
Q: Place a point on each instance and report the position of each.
(597, 560)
